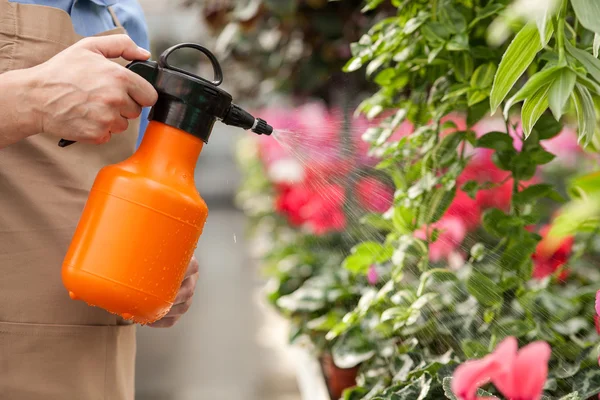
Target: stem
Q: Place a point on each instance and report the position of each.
(434, 10)
(560, 33)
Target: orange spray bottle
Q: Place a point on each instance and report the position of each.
(144, 216)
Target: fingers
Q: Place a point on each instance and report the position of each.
(130, 109)
(140, 90)
(193, 267)
(119, 125)
(183, 300)
(186, 291)
(115, 46)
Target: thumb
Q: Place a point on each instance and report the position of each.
(115, 46)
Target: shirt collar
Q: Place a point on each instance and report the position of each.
(105, 3)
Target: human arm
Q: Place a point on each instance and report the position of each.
(79, 94)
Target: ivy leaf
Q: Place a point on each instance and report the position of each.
(484, 289)
(447, 385)
(588, 13)
(587, 382)
(517, 58)
(572, 396)
(560, 92)
(533, 109)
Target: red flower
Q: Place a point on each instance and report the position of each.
(374, 195)
(324, 212)
(516, 374)
(464, 208)
(291, 201)
(551, 254)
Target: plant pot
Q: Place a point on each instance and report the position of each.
(337, 379)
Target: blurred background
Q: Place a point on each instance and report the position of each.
(230, 345)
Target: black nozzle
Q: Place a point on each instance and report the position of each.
(240, 118)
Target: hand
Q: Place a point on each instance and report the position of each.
(183, 300)
(81, 95)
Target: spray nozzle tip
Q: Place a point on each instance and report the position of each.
(261, 127)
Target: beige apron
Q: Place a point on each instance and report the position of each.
(50, 346)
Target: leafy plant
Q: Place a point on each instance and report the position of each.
(480, 142)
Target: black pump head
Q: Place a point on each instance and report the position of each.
(190, 102)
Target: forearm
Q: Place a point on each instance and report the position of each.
(19, 115)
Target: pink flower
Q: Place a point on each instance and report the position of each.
(372, 276)
(516, 374)
(374, 195)
(452, 233)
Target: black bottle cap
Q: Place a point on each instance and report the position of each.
(185, 101)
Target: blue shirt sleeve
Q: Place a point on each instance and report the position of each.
(91, 17)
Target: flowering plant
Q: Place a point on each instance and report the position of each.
(490, 239)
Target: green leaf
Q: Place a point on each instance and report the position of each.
(437, 275)
(498, 141)
(452, 19)
(476, 112)
(358, 263)
(560, 92)
(385, 77)
(590, 63)
(484, 289)
(463, 66)
(533, 85)
(471, 188)
(354, 64)
(547, 127)
(377, 221)
(586, 113)
(458, 42)
(351, 350)
(447, 385)
(495, 222)
(587, 382)
(473, 349)
(534, 192)
(596, 45)
(517, 58)
(476, 96)
(533, 108)
(483, 77)
(488, 11)
(572, 396)
(588, 13)
(365, 254)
